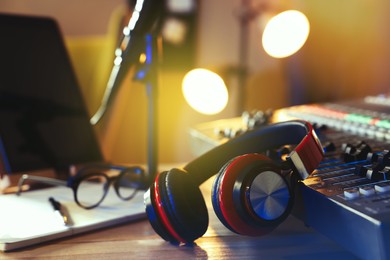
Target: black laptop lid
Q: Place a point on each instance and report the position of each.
(43, 119)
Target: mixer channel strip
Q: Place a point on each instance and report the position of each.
(347, 198)
(345, 118)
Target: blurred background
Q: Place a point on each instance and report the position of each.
(346, 55)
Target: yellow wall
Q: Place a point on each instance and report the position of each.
(346, 56)
(123, 130)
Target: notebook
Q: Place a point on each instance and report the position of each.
(30, 219)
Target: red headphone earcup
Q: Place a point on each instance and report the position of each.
(152, 214)
(177, 208)
(215, 196)
(235, 201)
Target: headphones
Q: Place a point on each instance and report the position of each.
(251, 194)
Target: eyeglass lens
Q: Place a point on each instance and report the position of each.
(92, 190)
(126, 184)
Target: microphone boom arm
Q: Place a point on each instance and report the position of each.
(144, 20)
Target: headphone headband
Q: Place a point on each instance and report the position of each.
(306, 156)
(308, 153)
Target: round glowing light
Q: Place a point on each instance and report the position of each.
(285, 33)
(205, 91)
(181, 6)
(174, 31)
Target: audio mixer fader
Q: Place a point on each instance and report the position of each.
(347, 198)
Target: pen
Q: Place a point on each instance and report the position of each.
(59, 210)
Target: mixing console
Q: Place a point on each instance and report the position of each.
(347, 198)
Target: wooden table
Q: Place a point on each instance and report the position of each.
(291, 240)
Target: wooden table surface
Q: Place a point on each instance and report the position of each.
(137, 240)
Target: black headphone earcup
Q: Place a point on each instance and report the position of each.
(249, 195)
(176, 208)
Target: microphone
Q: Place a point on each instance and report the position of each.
(143, 20)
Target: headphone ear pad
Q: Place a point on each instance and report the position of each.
(231, 195)
(176, 208)
(215, 195)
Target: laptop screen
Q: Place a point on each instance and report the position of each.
(43, 119)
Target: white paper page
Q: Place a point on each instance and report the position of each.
(30, 217)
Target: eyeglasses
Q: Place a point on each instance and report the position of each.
(92, 181)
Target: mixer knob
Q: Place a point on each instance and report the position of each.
(378, 174)
(361, 170)
(329, 147)
(362, 151)
(344, 146)
(349, 152)
(374, 175)
(356, 152)
(372, 157)
(256, 118)
(384, 158)
(385, 173)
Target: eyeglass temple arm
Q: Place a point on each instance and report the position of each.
(39, 179)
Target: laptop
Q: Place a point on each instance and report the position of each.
(43, 118)
(44, 124)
